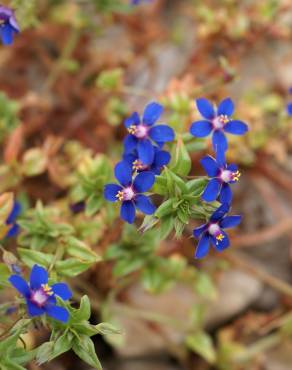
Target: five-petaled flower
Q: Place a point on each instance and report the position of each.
(221, 175)
(218, 123)
(212, 231)
(11, 220)
(142, 133)
(8, 25)
(161, 158)
(129, 193)
(40, 296)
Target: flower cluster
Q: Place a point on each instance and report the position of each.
(220, 174)
(40, 297)
(8, 25)
(143, 158)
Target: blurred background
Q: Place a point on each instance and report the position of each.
(73, 74)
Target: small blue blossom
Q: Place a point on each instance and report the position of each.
(161, 158)
(11, 220)
(142, 133)
(41, 297)
(212, 231)
(129, 193)
(289, 105)
(217, 123)
(137, 2)
(8, 25)
(221, 175)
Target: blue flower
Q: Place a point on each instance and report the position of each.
(142, 133)
(161, 158)
(41, 297)
(11, 220)
(137, 2)
(129, 193)
(289, 105)
(221, 175)
(212, 231)
(8, 25)
(218, 123)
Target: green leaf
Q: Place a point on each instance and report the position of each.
(32, 257)
(165, 208)
(76, 248)
(201, 343)
(196, 186)
(204, 286)
(84, 311)
(126, 266)
(181, 161)
(84, 348)
(93, 204)
(105, 328)
(71, 267)
(166, 226)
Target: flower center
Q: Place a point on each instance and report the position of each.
(126, 194)
(228, 176)
(219, 121)
(138, 165)
(41, 295)
(215, 231)
(140, 131)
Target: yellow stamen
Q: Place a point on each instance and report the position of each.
(224, 119)
(120, 195)
(132, 129)
(236, 176)
(137, 165)
(47, 289)
(219, 238)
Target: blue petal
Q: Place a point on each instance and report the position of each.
(144, 204)
(62, 290)
(210, 166)
(205, 108)
(230, 221)
(289, 109)
(130, 157)
(33, 309)
(219, 141)
(123, 173)
(161, 158)
(225, 194)
(57, 313)
(144, 181)
(220, 212)
(6, 32)
(236, 127)
(211, 191)
(232, 167)
(199, 230)
(110, 192)
(220, 158)
(14, 213)
(220, 245)
(38, 276)
(13, 231)
(226, 107)
(161, 133)
(201, 128)
(20, 284)
(202, 247)
(128, 212)
(134, 119)
(130, 143)
(145, 151)
(151, 113)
